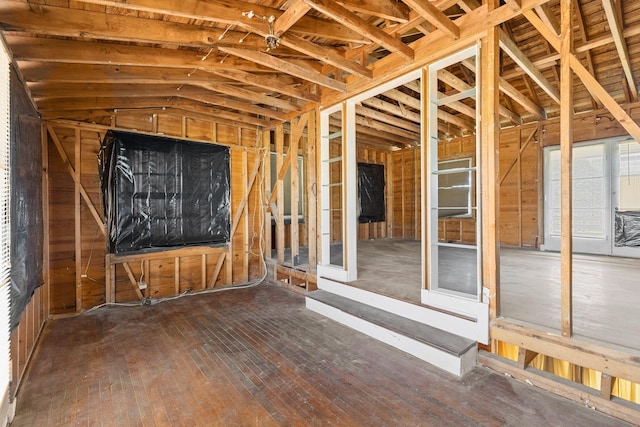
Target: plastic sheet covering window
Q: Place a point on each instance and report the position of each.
(163, 192)
(627, 228)
(26, 201)
(371, 192)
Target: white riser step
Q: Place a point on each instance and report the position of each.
(451, 353)
(473, 329)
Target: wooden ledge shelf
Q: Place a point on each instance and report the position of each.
(211, 258)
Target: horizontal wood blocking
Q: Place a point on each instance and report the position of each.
(603, 359)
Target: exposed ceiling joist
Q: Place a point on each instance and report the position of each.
(230, 12)
(621, 45)
(386, 9)
(432, 14)
(293, 14)
(387, 118)
(508, 45)
(353, 21)
(287, 67)
(269, 83)
(66, 22)
(460, 85)
(327, 55)
(587, 79)
(81, 52)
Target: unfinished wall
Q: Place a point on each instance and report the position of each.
(76, 234)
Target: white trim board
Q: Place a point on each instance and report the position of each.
(443, 360)
(476, 331)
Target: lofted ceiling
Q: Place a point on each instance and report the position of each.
(257, 63)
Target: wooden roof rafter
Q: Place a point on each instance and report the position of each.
(355, 23)
(509, 46)
(438, 19)
(616, 26)
(588, 80)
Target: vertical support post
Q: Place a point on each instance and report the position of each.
(280, 196)
(490, 143)
(312, 189)
(245, 215)
(266, 177)
(78, 223)
(349, 191)
(110, 279)
(203, 271)
(294, 234)
(176, 275)
(566, 156)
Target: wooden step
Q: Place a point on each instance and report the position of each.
(447, 351)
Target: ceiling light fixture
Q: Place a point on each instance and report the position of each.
(270, 39)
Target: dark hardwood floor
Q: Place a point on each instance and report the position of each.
(257, 357)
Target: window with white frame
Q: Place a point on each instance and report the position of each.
(455, 182)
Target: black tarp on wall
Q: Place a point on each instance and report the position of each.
(627, 229)
(26, 200)
(163, 192)
(371, 192)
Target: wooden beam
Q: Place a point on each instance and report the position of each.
(72, 172)
(606, 386)
(312, 188)
(249, 95)
(70, 22)
(327, 55)
(132, 279)
(288, 67)
(294, 12)
(525, 357)
(353, 21)
(216, 271)
(245, 199)
(230, 13)
(83, 52)
(566, 163)
(44, 91)
(583, 34)
(387, 118)
(432, 14)
(390, 10)
(460, 85)
(589, 81)
(277, 194)
(621, 45)
(525, 63)
(490, 164)
(270, 83)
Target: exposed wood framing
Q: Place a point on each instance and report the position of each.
(432, 14)
(489, 165)
(566, 163)
(359, 25)
(621, 45)
(75, 177)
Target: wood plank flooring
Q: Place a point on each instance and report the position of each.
(257, 357)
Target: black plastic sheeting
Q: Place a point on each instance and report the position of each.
(627, 228)
(26, 201)
(163, 192)
(371, 192)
